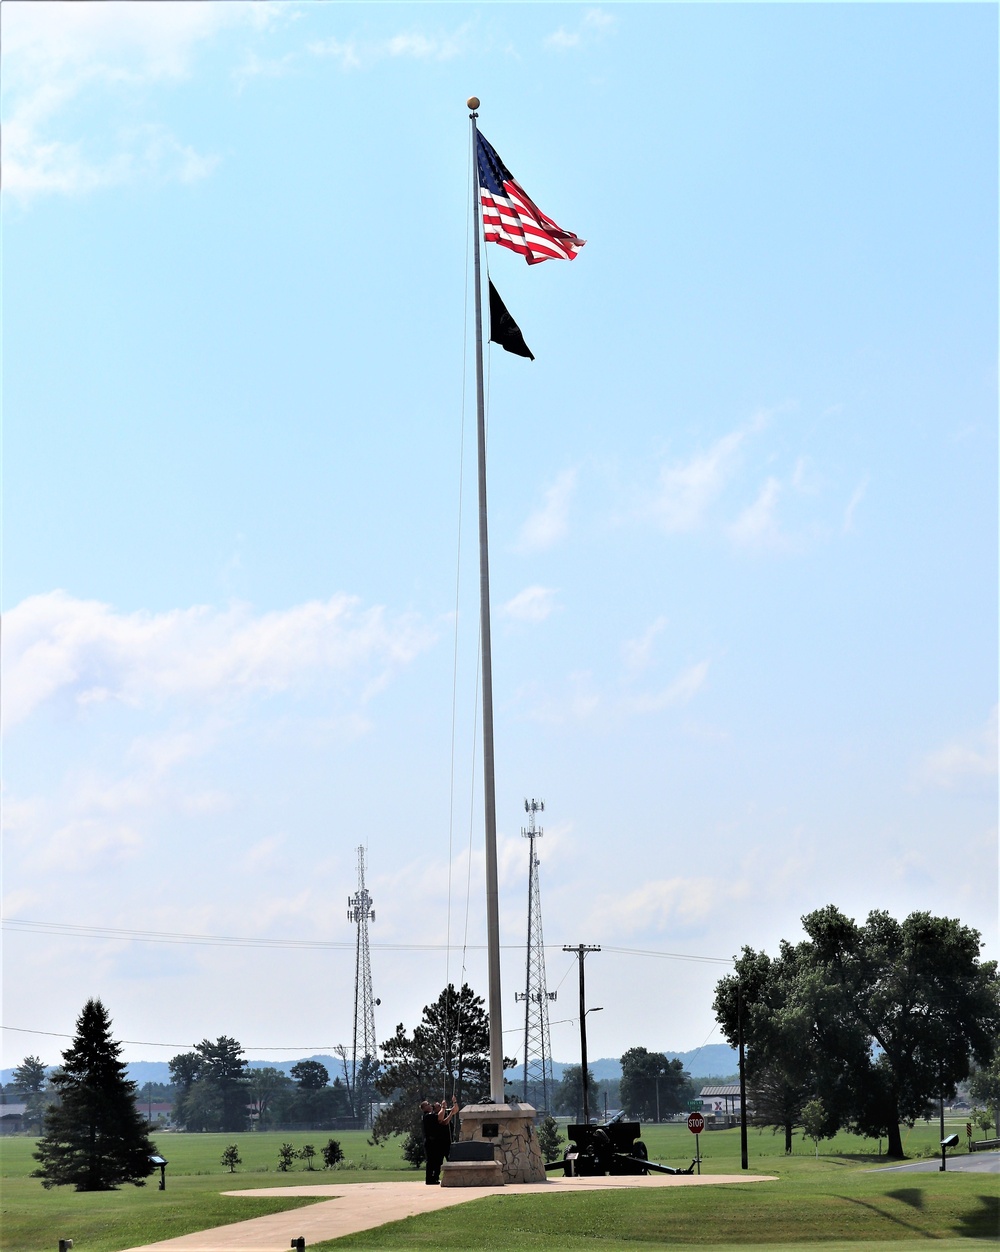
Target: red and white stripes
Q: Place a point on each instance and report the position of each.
(514, 221)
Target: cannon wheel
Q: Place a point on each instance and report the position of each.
(640, 1151)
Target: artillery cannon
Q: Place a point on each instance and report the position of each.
(614, 1148)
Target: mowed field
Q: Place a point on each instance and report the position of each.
(834, 1199)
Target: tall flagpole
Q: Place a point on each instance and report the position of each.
(492, 889)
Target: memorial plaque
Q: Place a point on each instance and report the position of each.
(491, 1130)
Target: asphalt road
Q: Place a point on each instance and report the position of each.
(970, 1163)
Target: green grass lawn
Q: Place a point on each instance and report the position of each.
(832, 1199)
(852, 1207)
(34, 1220)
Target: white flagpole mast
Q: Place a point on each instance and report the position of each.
(492, 890)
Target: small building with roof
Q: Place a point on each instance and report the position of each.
(720, 1106)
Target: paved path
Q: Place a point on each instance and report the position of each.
(971, 1163)
(364, 1205)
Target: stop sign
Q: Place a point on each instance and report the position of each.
(696, 1123)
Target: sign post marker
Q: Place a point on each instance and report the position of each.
(696, 1124)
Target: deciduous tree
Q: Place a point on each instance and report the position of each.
(777, 1100)
(985, 1084)
(875, 1020)
(651, 1085)
(310, 1075)
(567, 1098)
(266, 1085)
(95, 1138)
(816, 1123)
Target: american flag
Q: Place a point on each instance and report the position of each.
(513, 220)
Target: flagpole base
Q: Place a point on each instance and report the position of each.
(510, 1129)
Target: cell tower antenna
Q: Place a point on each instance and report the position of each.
(364, 1054)
(538, 1086)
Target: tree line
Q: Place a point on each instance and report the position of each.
(216, 1090)
(864, 1027)
(858, 1026)
(651, 1088)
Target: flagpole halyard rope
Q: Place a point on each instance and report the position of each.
(458, 581)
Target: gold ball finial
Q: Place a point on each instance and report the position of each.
(473, 102)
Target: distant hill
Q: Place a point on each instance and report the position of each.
(159, 1071)
(716, 1059)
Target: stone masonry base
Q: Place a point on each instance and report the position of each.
(471, 1174)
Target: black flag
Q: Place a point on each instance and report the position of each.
(504, 330)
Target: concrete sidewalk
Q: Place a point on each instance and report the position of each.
(364, 1205)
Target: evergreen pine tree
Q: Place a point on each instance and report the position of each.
(95, 1138)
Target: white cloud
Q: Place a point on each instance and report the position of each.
(345, 52)
(688, 488)
(88, 844)
(757, 525)
(639, 652)
(804, 478)
(547, 525)
(254, 66)
(415, 45)
(694, 494)
(581, 698)
(147, 783)
(966, 760)
(265, 854)
(55, 645)
(683, 689)
(533, 604)
(594, 24)
(429, 48)
(577, 704)
(54, 53)
(852, 505)
(563, 39)
(598, 20)
(666, 904)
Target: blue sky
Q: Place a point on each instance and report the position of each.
(743, 504)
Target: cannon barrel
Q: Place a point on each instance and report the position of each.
(659, 1169)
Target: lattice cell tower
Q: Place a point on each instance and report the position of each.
(364, 1057)
(538, 1087)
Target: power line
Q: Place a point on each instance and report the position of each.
(180, 937)
(147, 1043)
(672, 956)
(246, 941)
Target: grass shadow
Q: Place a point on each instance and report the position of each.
(889, 1217)
(983, 1222)
(908, 1195)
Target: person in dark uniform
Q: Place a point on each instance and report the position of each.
(445, 1114)
(434, 1122)
(429, 1128)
